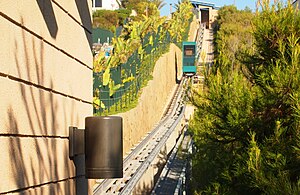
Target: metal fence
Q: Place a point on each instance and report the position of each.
(138, 67)
(101, 35)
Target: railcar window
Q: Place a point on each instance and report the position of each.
(189, 50)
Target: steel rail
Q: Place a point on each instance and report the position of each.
(136, 159)
(142, 169)
(172, 157)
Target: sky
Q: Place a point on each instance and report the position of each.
(240, 4)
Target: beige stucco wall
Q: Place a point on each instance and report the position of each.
(193, 29)
(46, 86)
(214, 17)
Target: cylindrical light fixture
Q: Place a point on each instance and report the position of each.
(104, 147)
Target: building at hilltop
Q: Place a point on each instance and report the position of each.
(106, 4)
(206, 12)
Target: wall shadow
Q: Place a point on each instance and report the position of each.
(146, 188)
(84, 13)
(176, 69)
(81, 181)
(49, 16)
(163, 158)
(83, 8)
(33, 170)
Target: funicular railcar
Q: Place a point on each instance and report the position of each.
(188, 58)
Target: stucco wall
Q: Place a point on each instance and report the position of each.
(193, 29)
(46, 86)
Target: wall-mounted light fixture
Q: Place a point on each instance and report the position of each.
(101, 142)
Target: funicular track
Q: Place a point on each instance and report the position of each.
(174, 178)
(141, 157)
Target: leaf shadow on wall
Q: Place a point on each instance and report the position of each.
(38, 152)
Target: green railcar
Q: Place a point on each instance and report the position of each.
(188, 58)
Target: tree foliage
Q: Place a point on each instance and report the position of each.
(180, 20)
(246, 127)
(137, 36)
(234, 36)
(109, 20)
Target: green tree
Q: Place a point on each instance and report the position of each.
(159, 3)
(108, 19)
(234, 36)
(246, 127)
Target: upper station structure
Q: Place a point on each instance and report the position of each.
(206, 12)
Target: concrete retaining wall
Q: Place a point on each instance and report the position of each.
(155, 96)
(141, 119)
